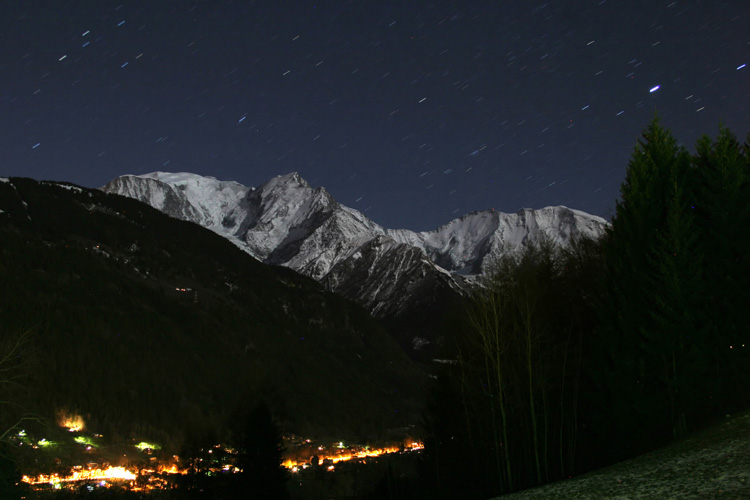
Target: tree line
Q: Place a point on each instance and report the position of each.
(569, 359)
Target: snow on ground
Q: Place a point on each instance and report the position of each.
(712, 464)
(69, 187)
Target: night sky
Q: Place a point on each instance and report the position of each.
(413, 112)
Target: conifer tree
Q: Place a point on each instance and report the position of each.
(676, 334)
(675, 298)
(259, 446)
(722, 207)
(630, 349)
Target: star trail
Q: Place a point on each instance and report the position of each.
(412, 112)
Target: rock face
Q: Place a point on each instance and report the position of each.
(286, 222)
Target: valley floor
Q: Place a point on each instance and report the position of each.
(711, 464)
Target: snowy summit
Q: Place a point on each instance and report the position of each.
(287, 222)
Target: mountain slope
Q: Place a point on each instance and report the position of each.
(148, 324)
(469, 244)
(287, 222)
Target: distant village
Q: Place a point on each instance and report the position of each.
(147, 467)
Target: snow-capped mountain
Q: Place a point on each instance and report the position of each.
(203, 200)
(287, 222)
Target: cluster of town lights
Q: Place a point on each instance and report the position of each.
(108, 474)
(344, 454)
(121, 474)
(298, 458)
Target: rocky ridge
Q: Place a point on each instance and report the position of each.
(287, 222)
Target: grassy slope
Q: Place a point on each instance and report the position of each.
(711, 464)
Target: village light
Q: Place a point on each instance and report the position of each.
(143, 446)
(338, 452)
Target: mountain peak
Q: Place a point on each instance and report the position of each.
(176, 178)
(292, 179)
(183, 195)
(287, 222)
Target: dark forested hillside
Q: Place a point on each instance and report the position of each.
(148, 325)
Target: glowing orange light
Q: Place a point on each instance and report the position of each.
(154, 477)
(342, 455)
(71, 421)
(110, 473)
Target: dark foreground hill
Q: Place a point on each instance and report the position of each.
(711, 464)
(151, 326)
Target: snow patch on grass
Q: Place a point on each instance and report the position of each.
(713, 463)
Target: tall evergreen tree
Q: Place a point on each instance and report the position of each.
(630, 348)
(259, 456)
(722, 210)
(675, 299)
(679, 341)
